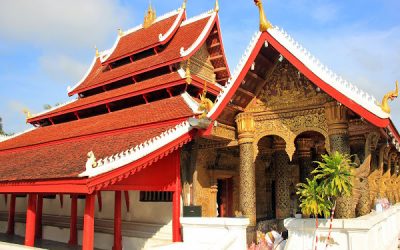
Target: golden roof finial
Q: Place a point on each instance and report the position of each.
(150, 16)
(188, 75)
(184, 4)
(120, 32)
(97, 51)
(27, 113)
(216, 7)
(390, 96)
(264, 23)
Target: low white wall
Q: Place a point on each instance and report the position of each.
(376, 231)
(214, 233)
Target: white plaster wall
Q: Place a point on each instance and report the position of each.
(149, 212)
(376, 231)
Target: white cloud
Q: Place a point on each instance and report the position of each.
(62, 69)
(62, 23)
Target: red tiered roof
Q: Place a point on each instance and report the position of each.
(142, 39)
(184, 38)
(113, 95)
(60, 151)
(146, 115)
(67, 159)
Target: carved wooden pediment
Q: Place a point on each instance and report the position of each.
(287, 88)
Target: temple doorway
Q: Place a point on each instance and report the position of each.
(225, 197)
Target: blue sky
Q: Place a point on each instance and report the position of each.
(47, 45)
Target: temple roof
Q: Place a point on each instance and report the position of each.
(284, 46)
(138, 38)
(60, 151)
(189, 37)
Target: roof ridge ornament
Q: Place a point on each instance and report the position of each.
(216, 7)
(97, 51)
(184, 4)
(390, 96)
(120, 32)
(264, 23)
(27, 113)
(188, 74)
(149, 17)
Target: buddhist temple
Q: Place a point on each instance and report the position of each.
(159, 128)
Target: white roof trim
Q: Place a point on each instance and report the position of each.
(182, 73)
(53, 108)
(201, 36)
(225, 89)
(6, 138)
(70, 89)
(193, 105)
(133, 154)
(162, 37)
(198, 17)
(349, 90)
(136, 28)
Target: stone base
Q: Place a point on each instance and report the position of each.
(375, 231)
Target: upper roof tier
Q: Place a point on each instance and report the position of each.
(186, 40)
(139, 38)
(167, 82)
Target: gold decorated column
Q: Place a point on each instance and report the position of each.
(282, 179)
(338, 131)
(338, 127)
(247, 190)
(305, 161)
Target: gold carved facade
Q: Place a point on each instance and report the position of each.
(287, 106)
(200, 65)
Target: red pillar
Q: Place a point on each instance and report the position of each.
(88, 223)
(176, 201)
(73, 232)
(11, 216)
(30, 220)
(117, 222)
(39, 212)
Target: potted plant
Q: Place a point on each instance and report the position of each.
(332, 179)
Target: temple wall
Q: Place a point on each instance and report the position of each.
(202, 183)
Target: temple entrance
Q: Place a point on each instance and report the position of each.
(225, 197)
(277, 175)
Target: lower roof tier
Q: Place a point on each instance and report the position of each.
(67, 159)
(166, 111)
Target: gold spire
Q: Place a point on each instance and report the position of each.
(390, 96)
(97, 51)
(264, 23)
(188, 74)
(216, 7)
(150, 16)
(184, 4)
(120, 32)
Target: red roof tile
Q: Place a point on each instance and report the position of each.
(184, 38)
(68, 159)
(143, 38)
(140, 116)
(112, 95)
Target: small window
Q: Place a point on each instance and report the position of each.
(146, 196)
